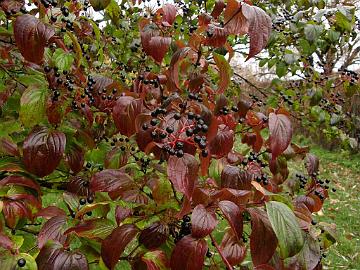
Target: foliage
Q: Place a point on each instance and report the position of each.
(117, 143)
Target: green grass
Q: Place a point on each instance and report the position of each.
(342, 208)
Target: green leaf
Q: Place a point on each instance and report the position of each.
(343, 22)
(9, 261)
(32, 105)
(281, 69)
(286, 228)
(113, 11)
(63, 60)
(312, 32)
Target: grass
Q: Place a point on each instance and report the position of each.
(342, 208)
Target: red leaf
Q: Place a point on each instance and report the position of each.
(15, 210)
(263, 241)
(218, 8)
(260, 26)
(97, 228)
(54, 257)
(183, 173)
(233, 177)
(31, 37)
(43, 144)
(232, 249)
(158, 46)
(114, 245)
(169, 13)
(234, 19)
(156, 260)
(121, 213)
(154, 236)
(125, 111)
(75, 158)
(20, 181)
(312, 163)
(53, 229)
(234, 216)
(78, 185)
(177, 57)
(280, 133)
(6, 242)
(223, 142)
(216, 36)
(203, 221)
(50, 211)
(189, 254)
(110, 180)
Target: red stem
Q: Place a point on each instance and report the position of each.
(228, 265)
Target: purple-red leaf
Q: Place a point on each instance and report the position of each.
(158, 47)
(110, 180)
(218, 8)
(311, 163)
(97, 228)
(224, 72)
(114, 245)
(43, 145)
(53, 229)
(17, 180)
(125, 111)
(260, 26)
(280, 133)
(233, 177)
(50, 211)
(154, 236)
(54, 257)
(121, 213)
(189, 254)
(8, 147)
(31, 36)
(203, 221)
(232, 249)
(263, 241)
(234, 216)
(223, 142)
(169, 13)
(183, 173)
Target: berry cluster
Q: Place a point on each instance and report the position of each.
(185, 229)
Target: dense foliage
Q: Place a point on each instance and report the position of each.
(124, 147)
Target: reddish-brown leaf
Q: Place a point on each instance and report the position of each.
(216, 36)
(233, 177)
(177, 57)
(97, 228)
(75, 158)
(31, 36)
(169, 13)
(8, 147)
(233, 250)
(114, 245)
(234, 216)
(260, 26)
(188, 254)
(235, 21)
(218, 8)
(125, 111)
(11, 6)
(223, 142)
(15, 210)
(17, 180)
(110, 180)
(183, 173)
(50, 211)
(53, 229)
(203, 221)
(154, 236)
(54, 257)
(312, 163)
(158, 46)
(263, 241)
(280, 133)
(121, 213)
(78, 185)
(43, 144)
(224, 72)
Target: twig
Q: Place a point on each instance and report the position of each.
(251, 84)
(228, 265)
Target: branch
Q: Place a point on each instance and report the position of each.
(251, 84)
